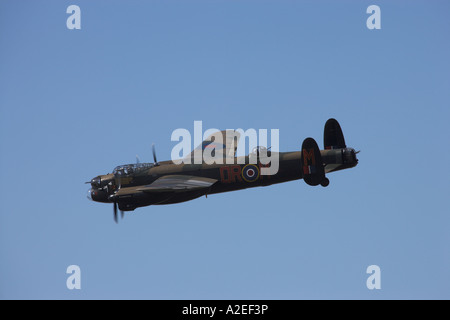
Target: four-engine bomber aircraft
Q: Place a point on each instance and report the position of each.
(137, 185)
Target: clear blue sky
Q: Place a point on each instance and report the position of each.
(76, 103)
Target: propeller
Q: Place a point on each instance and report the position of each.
(115, 199)
(119, 183)
(115, 211)
(154, 155)
(137, 159)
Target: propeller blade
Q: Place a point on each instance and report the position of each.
(119, 183)
(115, 212)
(137, 159)
(357, 151)
(154, 155)
(121, 214)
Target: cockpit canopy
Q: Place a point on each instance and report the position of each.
(127, 169)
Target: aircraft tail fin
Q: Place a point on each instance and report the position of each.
(333, 138)
(312, 165)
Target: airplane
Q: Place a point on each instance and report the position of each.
(137, 185)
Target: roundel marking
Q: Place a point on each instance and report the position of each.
(250, 173)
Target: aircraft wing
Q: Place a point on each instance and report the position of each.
(177, 183)
(169, 183)
(223, 142)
